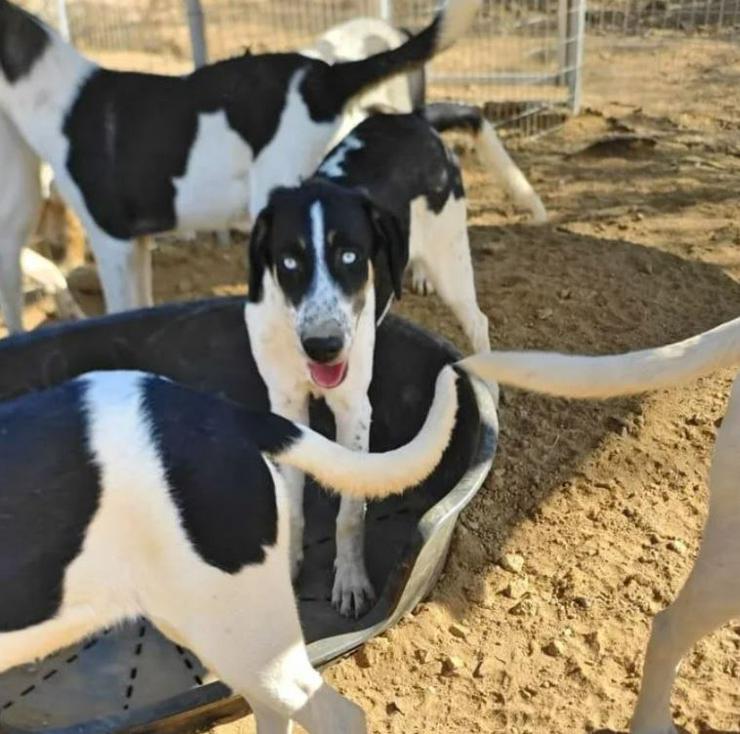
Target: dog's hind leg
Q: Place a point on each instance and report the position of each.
(440, 242)
(711, 595)
(20, 203)
(245, 628)
(125, 268)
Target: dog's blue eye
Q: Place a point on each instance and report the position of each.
(290, 263)
(349, 257)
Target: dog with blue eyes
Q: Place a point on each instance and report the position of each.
(326, 260)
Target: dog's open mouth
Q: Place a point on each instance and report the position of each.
(328, 375)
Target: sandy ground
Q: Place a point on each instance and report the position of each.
(603, 502)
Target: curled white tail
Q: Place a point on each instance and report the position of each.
(378, 475)
(576, 376)
(498, 163)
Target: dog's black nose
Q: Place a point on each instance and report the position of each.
(323, 349)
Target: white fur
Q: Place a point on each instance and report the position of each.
(136, 559)
(205, 198)
(710, 596)
(439, 253)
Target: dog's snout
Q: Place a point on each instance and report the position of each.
(323, 349)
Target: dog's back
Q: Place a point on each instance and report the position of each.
(396, 158)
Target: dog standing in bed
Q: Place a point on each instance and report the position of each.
(710, 596)
(124, 494)
(326, 259)
(138, 154)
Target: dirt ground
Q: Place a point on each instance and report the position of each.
(604, 502)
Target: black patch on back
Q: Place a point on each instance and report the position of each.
(422, 165)
(22, 41)
(217, 477)
(49, 494)
(131, 134)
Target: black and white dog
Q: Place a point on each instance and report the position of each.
(124, 494)
(136, 154)
(710, 597)
(327, 257)
(358, 38)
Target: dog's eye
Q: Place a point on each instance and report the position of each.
(290, 263)
(349, 257)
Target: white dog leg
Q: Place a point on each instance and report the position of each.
(711, 595)
(125, 269)
(451, 271)
(50, 278)
(352, 593)
(294, 408)
(20, 203)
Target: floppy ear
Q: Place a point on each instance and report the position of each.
(390, 239)
(259, 255)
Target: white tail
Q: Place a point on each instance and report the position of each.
(576, 376)
(378, 475)
(499, 164)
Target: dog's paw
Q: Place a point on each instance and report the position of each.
(420, 282)
(353, 594)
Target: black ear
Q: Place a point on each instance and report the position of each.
(392, 241)
(259, 254)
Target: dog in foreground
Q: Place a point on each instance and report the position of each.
(326, 259)
(710, 596)
(124, 494)
(137, 154)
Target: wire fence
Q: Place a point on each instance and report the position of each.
(639, 16)
(522, 59)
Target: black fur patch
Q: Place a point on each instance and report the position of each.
(422, 166)
(220, 482)
(49, 493)
(453, 116)
(22, 41)
(131, 134)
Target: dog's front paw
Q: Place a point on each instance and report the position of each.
(353, 594)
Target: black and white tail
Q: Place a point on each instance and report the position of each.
(574, 376)
(350, 78)
(468, 118)
(376, 475)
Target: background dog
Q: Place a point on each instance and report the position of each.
(136, 154)
(711, 595)
(119, 500)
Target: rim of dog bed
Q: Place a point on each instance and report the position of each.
(110, 683)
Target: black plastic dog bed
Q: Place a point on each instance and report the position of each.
(134, 679)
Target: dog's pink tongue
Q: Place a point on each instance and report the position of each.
(327, 375)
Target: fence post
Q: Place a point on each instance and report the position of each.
(385, 10)
(63, 19)
(571, 26)
(196, 24)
